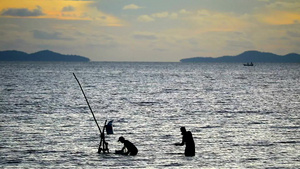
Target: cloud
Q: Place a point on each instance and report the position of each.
(184, 11)
(203, 21)
(48, 36)
(144, 37)
(131, 6)
(145, 18)
(293, 34)
(72, 10)
(152, 17)
(68, 9)
(279, 13)
(239, 45)
(160, 15)
(23, 12)
(279, 17)
(165, 15)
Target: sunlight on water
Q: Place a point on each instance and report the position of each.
(240, 117)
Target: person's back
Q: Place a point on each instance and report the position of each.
(131, 148)
(190, 145)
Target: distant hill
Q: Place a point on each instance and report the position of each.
(44, 56)
(249, 56)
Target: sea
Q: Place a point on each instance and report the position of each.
(240, 116)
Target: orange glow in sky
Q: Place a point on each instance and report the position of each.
(126, 30)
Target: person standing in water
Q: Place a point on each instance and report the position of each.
(187, 139)
(131, 148)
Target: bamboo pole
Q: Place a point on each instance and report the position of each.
(88, 103)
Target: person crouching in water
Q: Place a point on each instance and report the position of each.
(131, 149)
(187, 139)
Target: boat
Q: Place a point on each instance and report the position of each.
(248, 64)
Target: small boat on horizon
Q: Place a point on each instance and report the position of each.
(248, 64)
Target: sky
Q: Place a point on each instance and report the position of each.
(150, 30)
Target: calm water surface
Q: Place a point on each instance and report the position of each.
(240, 117)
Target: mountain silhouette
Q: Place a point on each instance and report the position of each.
(250, 56)
(44, 56)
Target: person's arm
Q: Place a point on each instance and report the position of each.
(123, 149)
(180, 144)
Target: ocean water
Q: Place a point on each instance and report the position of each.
(240, 117)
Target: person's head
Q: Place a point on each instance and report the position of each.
(183, 130)
(121, 139)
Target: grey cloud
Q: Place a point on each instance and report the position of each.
(49, 36)
(236, 45)
(160, 49)
(68, 9)
(293, 33)
(145, 37)
(103, 17)
(193, 41)
(22, 12)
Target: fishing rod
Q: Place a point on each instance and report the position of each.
(88, 103)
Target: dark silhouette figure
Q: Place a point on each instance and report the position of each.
(187, 139)
(131, 149)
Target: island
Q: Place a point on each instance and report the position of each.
(250, 56)
(42, 56)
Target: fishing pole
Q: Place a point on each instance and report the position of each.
(88, 103)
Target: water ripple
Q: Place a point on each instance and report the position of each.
(239, 117)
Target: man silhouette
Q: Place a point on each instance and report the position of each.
(187, 139)
(131, 149)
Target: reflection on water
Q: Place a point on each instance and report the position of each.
(240, 117)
